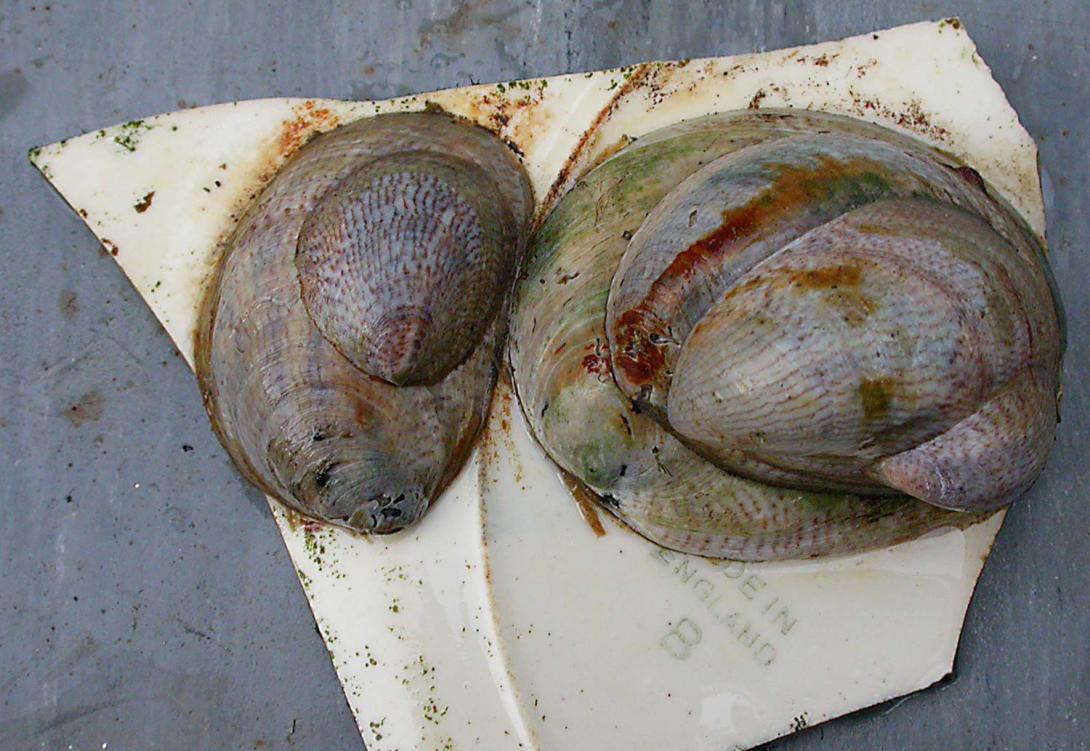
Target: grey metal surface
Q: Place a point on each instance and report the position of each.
(146, 601)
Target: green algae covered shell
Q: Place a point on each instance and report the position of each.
(659, 282)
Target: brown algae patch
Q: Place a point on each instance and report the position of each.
(876, 395)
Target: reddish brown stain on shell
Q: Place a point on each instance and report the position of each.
(595, 365)
(639, 360)
(597, 362)
(791, 189)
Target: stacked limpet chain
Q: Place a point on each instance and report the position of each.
(772, 334)
(754, 335)
(350, 343)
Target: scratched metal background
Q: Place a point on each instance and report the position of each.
(146, 601)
